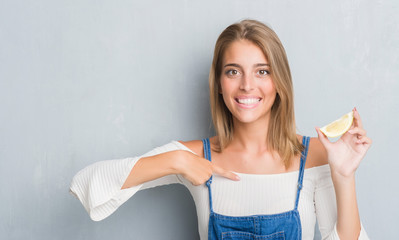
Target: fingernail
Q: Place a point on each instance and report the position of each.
(350, 131)
(238, 178)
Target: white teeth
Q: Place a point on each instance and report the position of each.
(248, 101)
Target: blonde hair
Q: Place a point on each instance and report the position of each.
(281, 130)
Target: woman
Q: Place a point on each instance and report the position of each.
(256, 179)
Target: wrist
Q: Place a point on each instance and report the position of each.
(340, 180)
(342, 173)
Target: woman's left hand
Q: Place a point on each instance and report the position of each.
(345, 155)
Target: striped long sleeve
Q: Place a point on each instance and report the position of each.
(98, 186)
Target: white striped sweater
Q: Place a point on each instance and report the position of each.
(98, 188)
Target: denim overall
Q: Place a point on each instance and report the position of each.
(286, 225)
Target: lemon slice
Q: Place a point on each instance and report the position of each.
(339, 126)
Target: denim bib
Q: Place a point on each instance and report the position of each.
(286, 225)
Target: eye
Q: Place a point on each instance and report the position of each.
(263, 72)
(232, 72)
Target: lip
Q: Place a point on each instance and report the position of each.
(246, 97)
(246, 106)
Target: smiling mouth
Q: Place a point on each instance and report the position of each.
(248, 101)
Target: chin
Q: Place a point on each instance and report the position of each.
(247, 119)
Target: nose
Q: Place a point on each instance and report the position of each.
(247, 83)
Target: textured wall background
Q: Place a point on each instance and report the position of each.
(84, 81)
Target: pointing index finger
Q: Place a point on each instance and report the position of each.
(225, 173)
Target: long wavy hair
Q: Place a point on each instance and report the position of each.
(282, 129)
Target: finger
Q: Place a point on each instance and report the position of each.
(357, 120)
(323, 138)
(357, 130)
(224, 173)
(364, 140)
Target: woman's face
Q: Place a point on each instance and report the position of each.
(246, 85)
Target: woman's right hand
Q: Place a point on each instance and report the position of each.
(198, 170)
(195, 169)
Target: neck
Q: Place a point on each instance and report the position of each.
(251, 137)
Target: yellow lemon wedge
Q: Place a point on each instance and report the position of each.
(339, 126)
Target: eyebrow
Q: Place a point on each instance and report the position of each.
(255, 65)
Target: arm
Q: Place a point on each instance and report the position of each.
(104, 186)
(98, 186)
(191, 166)
(150, 168)
(348, 220)
(326, 206)
(344, 156)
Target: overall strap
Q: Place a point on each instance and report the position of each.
(304, 154)
(207, 155)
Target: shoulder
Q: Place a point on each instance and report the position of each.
(195, 146)
(317, 154)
